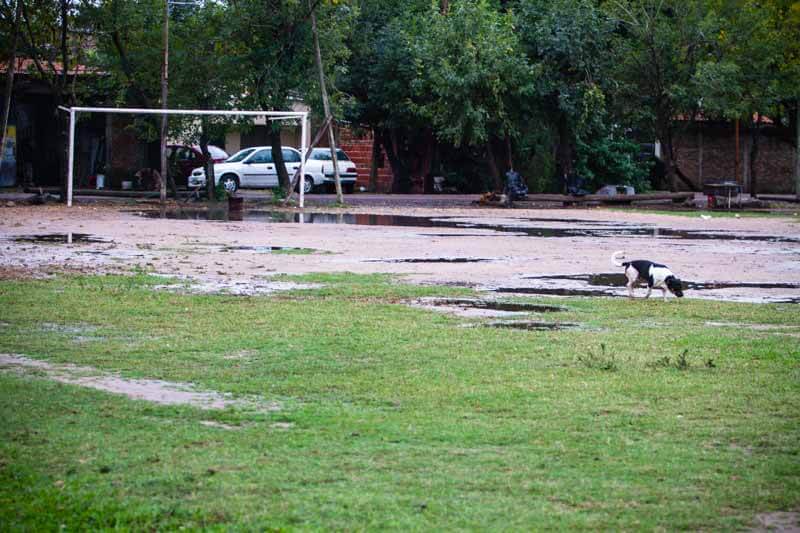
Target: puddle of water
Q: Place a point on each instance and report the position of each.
(59, 238)
(495, 306)
(608, 284)
(261, 249)
(532, 227)
(614, 279)
(471, 308)
(151, 390)
(553, 291)
(531, 326)
(432, 260)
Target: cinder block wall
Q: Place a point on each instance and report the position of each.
(707, 152)
(359, 148)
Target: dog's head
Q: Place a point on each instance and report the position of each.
(675, 286)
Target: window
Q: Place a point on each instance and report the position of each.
(324, 154)
(185, 154)
(238, 156)
(290, 156)
(262, 156)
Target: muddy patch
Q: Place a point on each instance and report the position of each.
(219, 425)
(785, 522)
(59, 238)
(151, 390)
(755, 327)
(468, 307)
(253, 287)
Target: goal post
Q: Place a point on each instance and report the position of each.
(270, 115)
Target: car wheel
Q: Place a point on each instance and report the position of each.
(308, 185)
(229, 182)
(348, 188)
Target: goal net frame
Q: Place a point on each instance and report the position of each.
(270, 115)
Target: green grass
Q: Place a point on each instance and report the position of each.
(645, 417)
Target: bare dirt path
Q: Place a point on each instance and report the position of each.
(481, 247)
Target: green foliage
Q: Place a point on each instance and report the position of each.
(471, 77)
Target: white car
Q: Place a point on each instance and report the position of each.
(254, 168)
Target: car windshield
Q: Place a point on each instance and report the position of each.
(324, 154)
(238, 156)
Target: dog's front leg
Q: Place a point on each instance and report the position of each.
(664, 292)
(649, 290)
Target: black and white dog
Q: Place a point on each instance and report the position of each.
(655, 275)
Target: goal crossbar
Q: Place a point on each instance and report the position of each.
(272, 115)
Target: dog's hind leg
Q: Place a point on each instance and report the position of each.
(632, 276)
(649, 290)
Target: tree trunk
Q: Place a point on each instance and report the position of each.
(326, 106)
(164, 89)
(444, 6)
(11, 68)
(401, 179)
(277, 155)
(564, 152)
(755, 137)
(497, 183)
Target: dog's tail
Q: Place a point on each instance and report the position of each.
(616, 261)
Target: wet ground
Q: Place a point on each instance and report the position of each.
(532, 227)
(608, 284)
(526, 252)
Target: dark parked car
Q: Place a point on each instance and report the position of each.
(183, 159)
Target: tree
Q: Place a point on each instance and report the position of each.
(473, 80)
(429, 75)
(204, 50)
(740, 82)
(569, 41)
(657, 48)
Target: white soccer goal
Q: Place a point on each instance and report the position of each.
(270, 115)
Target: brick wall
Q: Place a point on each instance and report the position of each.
(707, 152)
(359, 147)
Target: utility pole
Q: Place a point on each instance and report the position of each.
(164, 86)
(325, 105)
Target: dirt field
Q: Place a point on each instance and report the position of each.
(746, 259)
